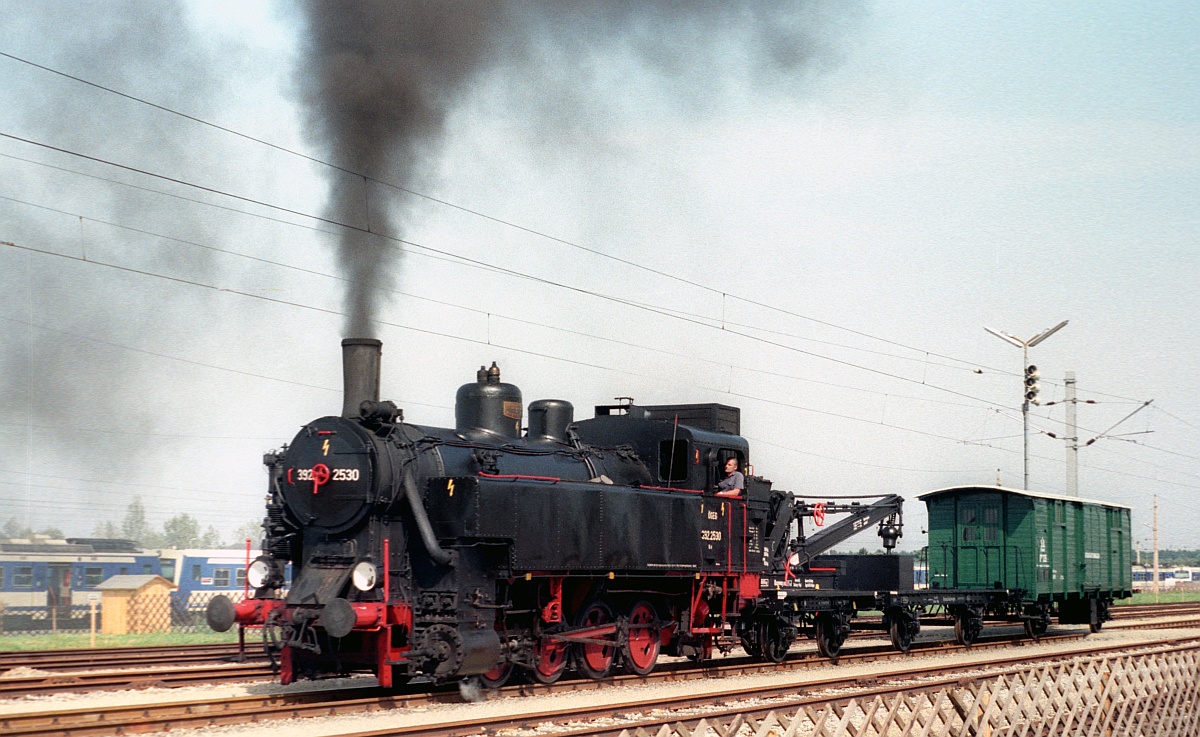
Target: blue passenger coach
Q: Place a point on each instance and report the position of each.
(41, 578)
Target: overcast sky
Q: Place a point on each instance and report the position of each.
(811, 217)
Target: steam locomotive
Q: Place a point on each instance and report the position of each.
(478, 551)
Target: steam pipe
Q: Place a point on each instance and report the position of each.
(439, 554)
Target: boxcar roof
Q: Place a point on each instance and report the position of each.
(1018, 492)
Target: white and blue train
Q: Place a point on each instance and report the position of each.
(1168, 576)
(44, 573)
(44, 581)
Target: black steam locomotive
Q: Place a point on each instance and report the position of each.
(593, 544)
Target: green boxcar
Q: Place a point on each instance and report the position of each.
(1055, 550)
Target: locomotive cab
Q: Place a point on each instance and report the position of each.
(685, 446)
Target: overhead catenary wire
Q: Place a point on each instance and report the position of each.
(557, 328)
(724, 293)
(595, 252)
(445, 303)
(513, 348)
(516, 349)
(630, 303)
(492, 218)
(652, 308)
(655, 309)
(466, 210)
(439, 255)
(616, 299)
(549, 356)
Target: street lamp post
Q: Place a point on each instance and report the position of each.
(1031, 375)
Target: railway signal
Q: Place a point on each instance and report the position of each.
(1031, 384)
(1030, 390)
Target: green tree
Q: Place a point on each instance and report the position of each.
(181, 531)
(251, 529)
(106, 529)
(211, 538)
(134, 526)
(14, 529)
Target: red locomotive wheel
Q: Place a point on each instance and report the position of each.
(596, 660)
(644, 639)
(551, 659)
(498, 676)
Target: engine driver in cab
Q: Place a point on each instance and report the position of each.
(734, 482)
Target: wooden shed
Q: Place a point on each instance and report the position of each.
(135, 604)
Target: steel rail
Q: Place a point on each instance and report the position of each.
(756, 701)
(124, 656)
(116, 720)
(132, 679)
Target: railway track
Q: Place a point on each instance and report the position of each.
(81, 671)
(24, 673)
(90, 673)
(1161, 625)
(742, 706)
(87, 682)
(1142, 611)
(122, 657)
(114, 720)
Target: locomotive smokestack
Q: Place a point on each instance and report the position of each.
(360, 373)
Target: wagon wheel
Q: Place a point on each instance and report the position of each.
(829, 640)
(644, 639)
(1095, 618)
(900, 633)
(967, 627)
(1035, 626)
(774, 639)
(593, 659)
(549, 660)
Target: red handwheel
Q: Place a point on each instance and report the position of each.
(320, 475)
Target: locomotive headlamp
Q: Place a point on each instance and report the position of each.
(363, 576)
(263, 572)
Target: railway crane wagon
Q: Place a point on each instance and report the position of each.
(480, 551)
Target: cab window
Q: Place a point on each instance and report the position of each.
(673, 460)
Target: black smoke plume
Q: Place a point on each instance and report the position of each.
(73, 400)
(379, 78)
